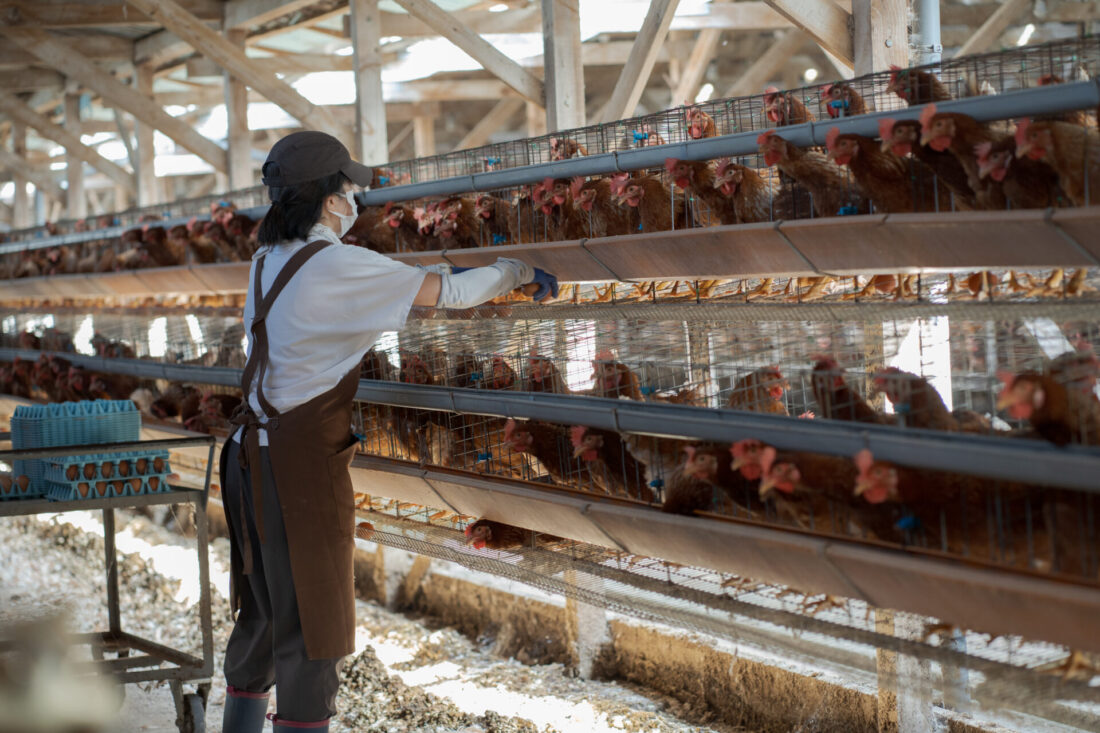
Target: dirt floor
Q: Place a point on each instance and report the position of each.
(407, 675)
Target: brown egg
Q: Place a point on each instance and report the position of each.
(123, 468)
(119, 487)
(72, 472)
(142, 466)
(82, 489)
(101, 488)
(89, 470)
(135, 484)
(154, 483)
(158, 464)
(107, 469)
(6, 482)
(23, 482)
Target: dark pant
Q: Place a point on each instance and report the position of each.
(267, 647)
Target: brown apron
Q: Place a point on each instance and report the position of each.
(310, 448)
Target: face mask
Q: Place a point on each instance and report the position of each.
(346, 220)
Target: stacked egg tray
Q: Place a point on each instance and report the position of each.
(68, 423)
(106, 475)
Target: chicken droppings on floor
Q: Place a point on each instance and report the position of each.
(405, 676)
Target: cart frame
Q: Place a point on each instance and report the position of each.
(149, 664)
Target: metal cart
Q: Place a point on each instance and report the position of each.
(136, 659)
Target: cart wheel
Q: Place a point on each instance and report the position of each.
(194, 714)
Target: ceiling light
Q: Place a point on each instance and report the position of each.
(809, 75)
(1026, 35)
(498, 8)
(704, 93)
(345, 51)
(389, 39)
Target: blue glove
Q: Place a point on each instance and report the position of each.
(548, 284)
(456, 270)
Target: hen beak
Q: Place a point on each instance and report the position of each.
(887, 146)
(925, 137)
(1004, 402)
(862, 486)
(767, 486)
(1023, 149)
(579, 451)
(737, 464)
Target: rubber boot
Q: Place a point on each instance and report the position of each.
(287, 726)
(244, 711)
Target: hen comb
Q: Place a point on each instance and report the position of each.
(831, 136)
(886, 128)
(576, 186)
(864, 460)
(671, 163)
(724, 165)
(763, 137)
(826, 89)
(470, 529)
(1007, 378)
(576, 435)
(509, 430)
(770, 94)
(388, 207)
(742, 447)
(604, 355)
(767, 458)
(1021, 130)
(926, 116)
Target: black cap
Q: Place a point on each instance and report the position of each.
(309, 155)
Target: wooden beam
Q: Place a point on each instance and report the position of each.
(123, 135)
(231, 58)
(21, 208)
(498, 117)
(244, 14)
(562, 57)
(992, 29)
(90, 14)
(98, 46)
(371, 134)
(54, 52)
(26, 80)
(478, 48)
(74, 163)
(238, 139)
(435, 91)
(536, 120)
(635, 74)
(753, 80)
(398, 139)
(880, 35)
(827, 23)
(68, 136)
(691, 76)
(148, 190)
(42, 179)
(424, 136)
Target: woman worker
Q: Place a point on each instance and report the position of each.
(314, 307)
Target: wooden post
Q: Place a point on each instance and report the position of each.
(880, 35)
(497, 118)
(424, 136)
(78, 205)
(586, 625)
(148, 193)
(21, 205)
(370, 107)
(754, 78)
(236, 108)
(643, 55)
(691, 76)
(992, 28)
(564, 69)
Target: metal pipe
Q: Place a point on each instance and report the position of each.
(929, 49)
(1014, 460)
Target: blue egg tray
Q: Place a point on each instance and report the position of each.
(106, 475)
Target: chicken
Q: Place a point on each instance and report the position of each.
(1058, 413)
(753, 197)
(202, 249)
(543, 376)
(841, 100)
(60, 261)
(610, 465)
(180, 400)
(914, 399)
(494, 214)
(785, 109)
(546, 442)
(697, 178)
(521, 218)
(1076, 370)
(485, 533)
(831, 189)
(699, 124)
(375, 365)
(565, 148)
(1071, 150)
(562, 220)
(651, 206)
(893, 184)
(372, 229)
(693, 484)
(902, 138)
(1027, 184)
(760, 390)
(112, 387)
(961, 134)
(917, 87)
(601, 216)
(835, 398)
(614, 379)
(457, 225)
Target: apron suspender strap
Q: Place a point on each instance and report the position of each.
(257, 364)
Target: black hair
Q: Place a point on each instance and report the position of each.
(295, 209)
